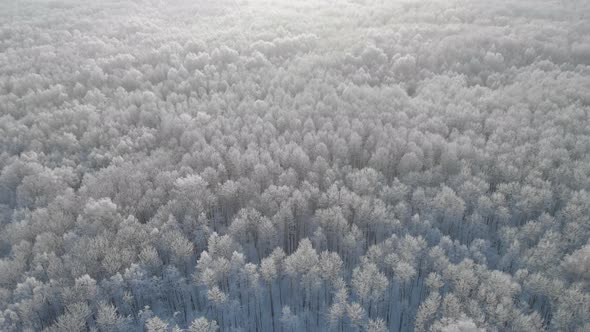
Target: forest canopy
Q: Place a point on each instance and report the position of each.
(325, 165)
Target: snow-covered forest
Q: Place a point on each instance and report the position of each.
(294, 165)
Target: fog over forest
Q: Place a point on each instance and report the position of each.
(294, 165)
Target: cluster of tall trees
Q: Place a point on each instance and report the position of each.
(301, 166)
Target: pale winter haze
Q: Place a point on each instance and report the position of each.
(294, 165)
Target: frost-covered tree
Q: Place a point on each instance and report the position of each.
(311, 166)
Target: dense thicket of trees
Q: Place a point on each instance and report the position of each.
(301, 166)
